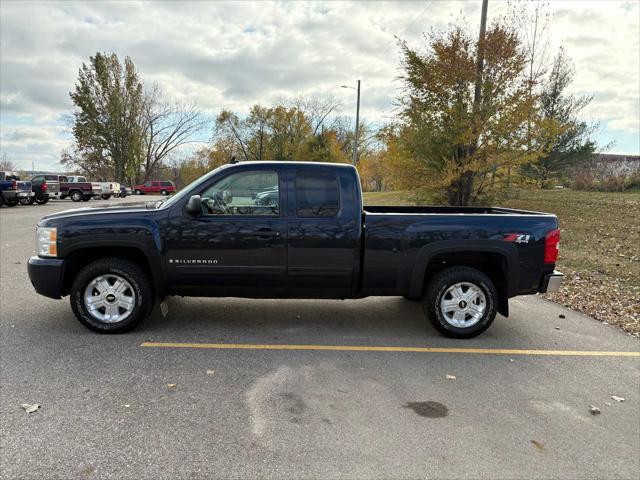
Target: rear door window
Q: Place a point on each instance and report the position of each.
(317, 194)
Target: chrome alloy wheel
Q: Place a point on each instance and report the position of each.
(109, 298)
(463, 304)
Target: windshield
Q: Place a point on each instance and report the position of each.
(187, 191)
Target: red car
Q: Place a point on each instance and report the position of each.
(155, 186)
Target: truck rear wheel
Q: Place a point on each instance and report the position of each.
(42, 200)
(27, 200)
(11, 202)
(111, 295)
(461, 302)
(76, 196)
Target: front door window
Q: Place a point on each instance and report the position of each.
(253, 192)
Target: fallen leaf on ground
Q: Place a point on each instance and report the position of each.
(171, 385)
(538, 445)
(30, 408)
(210, 372)
(594, 410)
(617, 399)
(451, 377)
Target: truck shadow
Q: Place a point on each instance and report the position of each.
(382, 320)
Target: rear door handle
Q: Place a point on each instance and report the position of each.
(266, 233)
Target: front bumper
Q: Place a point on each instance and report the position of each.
(46, 275)
(551, 282)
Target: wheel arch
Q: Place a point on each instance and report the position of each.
(78, 258)
(498, 260)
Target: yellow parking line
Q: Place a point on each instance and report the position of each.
(357, 348)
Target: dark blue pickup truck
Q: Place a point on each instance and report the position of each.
(13, 190)
(315, 240)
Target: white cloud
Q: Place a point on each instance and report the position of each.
(231, 55)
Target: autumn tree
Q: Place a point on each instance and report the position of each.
(304, 129)
(456, 147)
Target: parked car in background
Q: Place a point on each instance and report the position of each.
(13, 190)
(125, 191)
(78, 189)
(109, 189)
(45, 187)
(267, 197)
(155, 186)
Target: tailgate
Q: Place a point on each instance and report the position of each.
(24, 186)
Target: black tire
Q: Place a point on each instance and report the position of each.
(106, 197)
(437, 289)
(27, 200)
(138, 192)
(164, 193)
(62, 197)
(11, 202)
(76, 196)
(139, 280)
(123, 195)
(42, 200)
(86, 198)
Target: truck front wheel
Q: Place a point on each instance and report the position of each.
(76, 196)
(111, 295)
(461, 302)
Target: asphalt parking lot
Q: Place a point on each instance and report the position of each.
(234, 388)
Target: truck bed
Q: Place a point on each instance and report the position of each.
(447, 210)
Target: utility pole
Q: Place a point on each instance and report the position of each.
(480, 59)
(355, 146)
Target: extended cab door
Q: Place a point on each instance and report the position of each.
(324, 232)
(237, 247)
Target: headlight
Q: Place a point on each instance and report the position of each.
(46, 242)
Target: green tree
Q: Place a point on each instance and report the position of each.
(567, 139)
(109, 101)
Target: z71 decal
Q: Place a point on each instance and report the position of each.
(516, 237)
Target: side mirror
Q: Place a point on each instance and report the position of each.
(194, 205)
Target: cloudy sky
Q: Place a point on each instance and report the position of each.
(232, 55)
